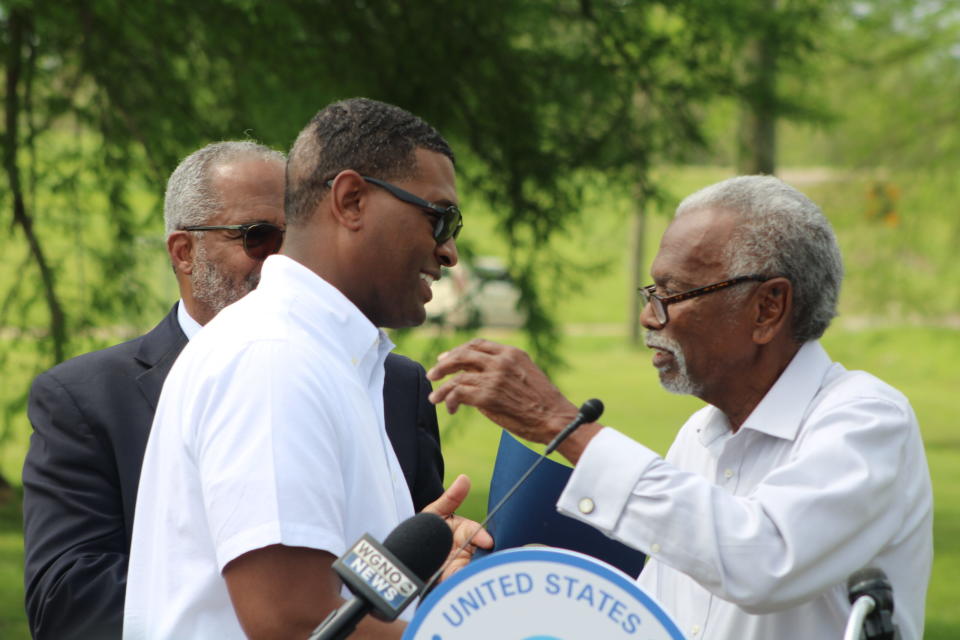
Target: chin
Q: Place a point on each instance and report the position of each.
(418, 320)
(405, 321)
(680, 385)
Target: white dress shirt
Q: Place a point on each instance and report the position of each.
(752, 535)
(188, 325)
(269, 430)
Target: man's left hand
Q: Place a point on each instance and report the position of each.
(462, 528)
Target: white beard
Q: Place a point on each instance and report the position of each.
(214, 288)
(676, 380)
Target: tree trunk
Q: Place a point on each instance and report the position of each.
(756, 136)
(16, 28)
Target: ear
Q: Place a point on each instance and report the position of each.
(773, 306)
(348, 199)
(180, 246)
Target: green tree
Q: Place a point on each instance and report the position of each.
(103, 96)
(893, 81)
(778, 44)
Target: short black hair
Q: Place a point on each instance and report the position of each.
(373, 138)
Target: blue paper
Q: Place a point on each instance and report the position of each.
(530, 516)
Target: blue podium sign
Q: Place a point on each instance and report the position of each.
(540, 594)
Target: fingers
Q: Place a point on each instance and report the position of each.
(482, 368)
(457, 492)
(442, 394)
(505, 385)
(481, 537)
(452, 498)
(456, 564)
(466, 533)
(482, 346)
(466, 388)
(463, 529)
(475, 355)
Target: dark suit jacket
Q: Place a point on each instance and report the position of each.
(91, 417)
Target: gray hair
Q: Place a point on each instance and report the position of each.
(781, 232)
(190, 199)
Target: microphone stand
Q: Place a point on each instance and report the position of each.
(590, 411)
(858, 615)
(871, 612)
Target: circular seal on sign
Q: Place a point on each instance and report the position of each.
(540, 594)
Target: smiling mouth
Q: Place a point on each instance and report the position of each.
(427, 280)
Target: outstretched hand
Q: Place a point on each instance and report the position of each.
(462, 528)
(505, 385)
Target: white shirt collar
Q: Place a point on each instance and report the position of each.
(360, 337)
(780, 412)
(188, 325)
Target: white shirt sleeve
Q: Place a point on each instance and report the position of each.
(781, 533)
(269, 474)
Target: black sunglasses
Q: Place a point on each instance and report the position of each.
(449, 219)
(260, 239)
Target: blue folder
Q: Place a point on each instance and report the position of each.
(530, 516)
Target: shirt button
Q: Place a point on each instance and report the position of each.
(655, 548)
(586, 506)
(354, 361)
(728, 473)
(695, 629)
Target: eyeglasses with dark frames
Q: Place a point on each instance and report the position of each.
(449, 219)
(260, 239)
(660, 304)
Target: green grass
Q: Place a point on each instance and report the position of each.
(919, 360)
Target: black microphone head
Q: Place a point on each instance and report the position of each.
(421, 543)
(591, 410)
(872, 582)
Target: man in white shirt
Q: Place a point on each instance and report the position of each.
(92, 414)
(268, 454)
(796, 474)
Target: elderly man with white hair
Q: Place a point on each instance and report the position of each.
(796, 474)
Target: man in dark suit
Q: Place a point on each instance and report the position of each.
(91, 415)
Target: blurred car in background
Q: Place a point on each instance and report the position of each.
(479, 294)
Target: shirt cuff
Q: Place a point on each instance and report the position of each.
(604, 478)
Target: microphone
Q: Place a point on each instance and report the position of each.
(871, 595)
(590, 411)
(386, 578)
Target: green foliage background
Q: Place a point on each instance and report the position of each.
(570, 117)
